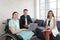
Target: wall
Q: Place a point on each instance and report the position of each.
(7, 7)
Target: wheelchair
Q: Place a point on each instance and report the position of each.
(8, 35)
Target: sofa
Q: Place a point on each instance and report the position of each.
(41, 26)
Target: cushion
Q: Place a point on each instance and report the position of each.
(58, 25)
(40, 22)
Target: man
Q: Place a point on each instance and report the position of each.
(25, 19)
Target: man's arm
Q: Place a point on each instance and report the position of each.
(30, 19)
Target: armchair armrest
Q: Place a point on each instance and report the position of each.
(41, 28)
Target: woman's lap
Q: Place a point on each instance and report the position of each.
(47, 35)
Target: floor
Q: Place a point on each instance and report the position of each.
(35, 38)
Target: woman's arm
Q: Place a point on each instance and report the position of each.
(54, 22)
(46, 23)
(15, 31)
(47, 27)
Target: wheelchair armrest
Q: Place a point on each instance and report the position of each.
(8, 34)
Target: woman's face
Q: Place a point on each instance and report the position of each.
(50, 14)
(15, 15)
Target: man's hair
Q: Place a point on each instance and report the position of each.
(25, 10)
(14, 13)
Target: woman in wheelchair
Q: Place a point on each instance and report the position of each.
(15, 29)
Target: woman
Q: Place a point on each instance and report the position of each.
(15, 29)
(50, 26)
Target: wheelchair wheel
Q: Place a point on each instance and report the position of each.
(7, 37)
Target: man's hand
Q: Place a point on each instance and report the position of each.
(24, 29)
(26, 25)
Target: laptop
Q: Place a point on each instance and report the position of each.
(32, 26)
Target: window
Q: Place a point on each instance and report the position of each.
(46, 5)
(58, 13)
(52, 6)
(55, 6)
(42, 9)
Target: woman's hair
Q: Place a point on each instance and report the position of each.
(49, 12)
(14, 13)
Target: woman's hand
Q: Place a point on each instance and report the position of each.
(48, 28)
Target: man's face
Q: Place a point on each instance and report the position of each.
(25, 12)
(15, 15)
